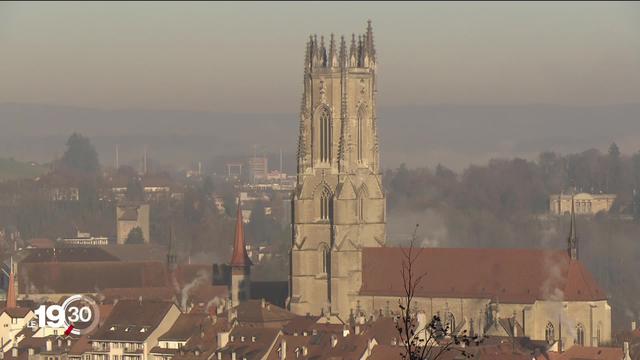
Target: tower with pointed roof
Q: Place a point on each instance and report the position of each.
(172, 256)
(240, 265)
(572, 240)
(11, 289)
(338, 203)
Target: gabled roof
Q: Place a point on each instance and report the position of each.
(132, 320)
(185, 326)
(577, 352)
(249, 342)
(257, 311)
(67, 254)
(205, 342)
(88, 277)
(17, 312)
(505, 275)
(129, 214)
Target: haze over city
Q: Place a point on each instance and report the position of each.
(221, 59)
(319, 180)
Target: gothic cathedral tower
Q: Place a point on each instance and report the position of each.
(338, 203)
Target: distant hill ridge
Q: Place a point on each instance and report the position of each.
(454, 135)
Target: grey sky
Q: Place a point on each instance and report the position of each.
(247, 57)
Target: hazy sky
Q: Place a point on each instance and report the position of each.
(248, 57)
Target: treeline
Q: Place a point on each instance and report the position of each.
(505, 203)
(513, 187)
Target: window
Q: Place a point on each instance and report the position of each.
(549, 333)
(326, 260)
(325, 136)
(325, 204)
(580, 334)
(360, 133)
(451, 322)
(360, 208)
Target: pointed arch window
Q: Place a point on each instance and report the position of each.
(360, 203)
(360, 132)
(325, 204)
(325, 135)
(580, 334)
(326, 259)
(549, 333)
(360, 208)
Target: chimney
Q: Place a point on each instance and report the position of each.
(625, 349)
(283, 349)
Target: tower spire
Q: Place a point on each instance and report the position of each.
(239, 257)
(11, 290)
(333, 55)
(172, 257)
(371, 50)
(353, 52)
(240, 265)
(573, 237)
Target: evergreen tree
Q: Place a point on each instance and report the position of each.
(614, 170)
(135, 190)
(135, 236)
(81, 155)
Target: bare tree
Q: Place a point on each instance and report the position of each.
(424, 341)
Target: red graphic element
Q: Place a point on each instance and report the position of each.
(68, 331)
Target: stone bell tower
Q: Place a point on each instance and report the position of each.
(338, 203)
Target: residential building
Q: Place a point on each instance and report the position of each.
(583, 203)
(131, 215)
(132, 330)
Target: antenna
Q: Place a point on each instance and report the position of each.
(144, 161)
(117, 158)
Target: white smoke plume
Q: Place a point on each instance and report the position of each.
(186, 290)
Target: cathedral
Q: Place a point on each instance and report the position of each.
(339, 202)
(340, 264)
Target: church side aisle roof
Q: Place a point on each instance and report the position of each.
(504, 275)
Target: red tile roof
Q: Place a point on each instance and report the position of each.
(67, 254)
(132, 320)
(506, 275)
(88, 277)
(184, 328)
(259, 312)
(578, 352)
